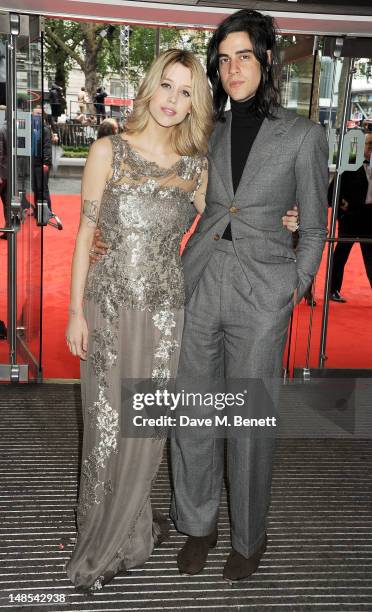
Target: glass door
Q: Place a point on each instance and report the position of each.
(23, 194)
(333, 335)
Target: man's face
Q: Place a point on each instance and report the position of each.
(239, 69)
(368, 146)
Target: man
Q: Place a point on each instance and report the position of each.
(56, 102)
(41, 157)
(82, 101)
(42, 154)
(99, 104)
(242, 278)
(354, 219)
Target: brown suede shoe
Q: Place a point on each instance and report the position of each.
(238, 567)
(193, 555)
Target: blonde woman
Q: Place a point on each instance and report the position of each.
(141, 189)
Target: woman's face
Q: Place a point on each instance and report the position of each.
(171, 101)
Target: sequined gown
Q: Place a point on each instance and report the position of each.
(134, 309)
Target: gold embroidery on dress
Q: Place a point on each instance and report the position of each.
(164, 321)
(142, 270)
(106, 422)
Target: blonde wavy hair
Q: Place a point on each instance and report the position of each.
(191, 136)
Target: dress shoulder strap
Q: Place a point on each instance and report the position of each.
(200, 164)
(118, 155)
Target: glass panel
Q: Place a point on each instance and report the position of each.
(348, 329)
(31, 187)
(297, 74)
(4, 349)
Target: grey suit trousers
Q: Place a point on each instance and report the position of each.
(226, 335)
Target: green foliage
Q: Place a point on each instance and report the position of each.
(75, 152)
(142, 49)
(142, 46)
(78, 148)
(71, 42)
(83, 43)
(108, 60)
(57, 61)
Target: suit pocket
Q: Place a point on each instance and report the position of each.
(286, 255)
(272, 252)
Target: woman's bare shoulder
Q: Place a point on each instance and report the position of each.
(101, 150)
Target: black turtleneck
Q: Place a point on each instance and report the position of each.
(244, 128)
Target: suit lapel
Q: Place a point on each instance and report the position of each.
(221, 156)
(264, 146)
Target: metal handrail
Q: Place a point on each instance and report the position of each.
(351, 239)
(335, 203)
(76, 134)
(12, 177)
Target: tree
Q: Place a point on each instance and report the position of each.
(95, 48)
(197, 42)
(58, 62)
(142, 49)
(84, 44)
(142, 46)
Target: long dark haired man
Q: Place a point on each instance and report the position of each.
(242, 278)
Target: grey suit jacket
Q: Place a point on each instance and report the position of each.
(287, 165)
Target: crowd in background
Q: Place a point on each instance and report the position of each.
(89, 112)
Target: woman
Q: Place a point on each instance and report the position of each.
(132, 320)
(141, 187)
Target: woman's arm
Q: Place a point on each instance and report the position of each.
(200, 193)
(96, 172)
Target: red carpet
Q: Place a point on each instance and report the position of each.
(350, 325)
(349, 335)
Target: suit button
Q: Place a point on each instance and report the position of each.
(216, 237)
(233, 210)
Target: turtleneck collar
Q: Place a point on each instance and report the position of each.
(243, 109)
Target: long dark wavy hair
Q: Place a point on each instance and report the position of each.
(261, 31)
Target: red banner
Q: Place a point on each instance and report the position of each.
(111, 101)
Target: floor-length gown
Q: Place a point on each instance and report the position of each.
(134, 309)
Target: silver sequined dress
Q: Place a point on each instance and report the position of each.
(134, 309)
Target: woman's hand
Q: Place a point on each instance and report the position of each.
(290, 220)
(77, 334)
(98, 248)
